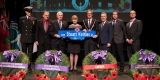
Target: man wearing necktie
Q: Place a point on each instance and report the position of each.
(43, 38)
(58, 43)
(133, 32)
(90, 44)
(119, 34)
(27, 29)
(105, 33)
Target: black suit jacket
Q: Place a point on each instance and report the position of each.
(94, 26)
(119, 31)
(134, 31)
(27, 29)
(105, 33)
(41, 36)
(54, 30)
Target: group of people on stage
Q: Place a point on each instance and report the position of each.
(110, 35)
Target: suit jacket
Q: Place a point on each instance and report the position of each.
(27, 29)
(94, 26)
(105, 33)
(119, 31)
(134, 31)
(54, 30)
(41, 36)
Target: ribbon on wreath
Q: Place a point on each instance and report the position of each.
(99, 55)
(144, 56)
(53, 58)
(10, 56)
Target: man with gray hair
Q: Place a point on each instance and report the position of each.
(58, 43)
(105, 33)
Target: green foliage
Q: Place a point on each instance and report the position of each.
(89, 60)
(51, 74)
(135, 60)
(22, 58)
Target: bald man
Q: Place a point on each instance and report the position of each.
(58, 43)
(133, 32)
(42, 38)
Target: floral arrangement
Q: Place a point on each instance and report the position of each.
(14, 65)
(52, 58)
(145, 65)
(100, 57)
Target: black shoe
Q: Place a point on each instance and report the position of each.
(75, 70)
(71, 70)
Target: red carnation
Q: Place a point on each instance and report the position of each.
(146, 76)
(11, 75)
(114, 74)
(55, 79)
(95, 76)
(116, 22)
(4, 78)
(87, 75)
(14, 77)
(36, 76)
(153, 77)
(136, 76)
(106, 78)
(77, 29)
(34, 4)
(158, 78)
(127, 5)
(22, 74)
(91, 78)
(64, 77)
(1, 74)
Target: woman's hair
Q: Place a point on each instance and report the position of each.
(74, 17)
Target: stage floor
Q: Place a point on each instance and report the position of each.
(77, 75)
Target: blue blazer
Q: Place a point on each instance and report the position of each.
(105, 33)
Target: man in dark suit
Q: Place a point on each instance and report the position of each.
(27, 29)
(118, 38)
(90, 24)
(43, 38)
(133, 32)
(105, 33)
(58, 43)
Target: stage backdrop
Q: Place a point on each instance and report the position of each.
(79, 7)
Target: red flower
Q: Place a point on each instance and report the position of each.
(116, 22)
(76, 29)
(49, 24)
(64, 77)
(55, 79)
(91, 78)
(95, 76)
(146, 76)
(5, 79)
(136, 76)
(1, 74)
(114, 74)
(22, 75)
(11, 75)
(87, 75)
(158, 78)
(31, 19)
(153, 77)
(127, 5)
(36, 76)
(14, 77)
(106, 78)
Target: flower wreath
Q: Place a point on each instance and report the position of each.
(53, 65)
(99, 65)
(145, 65)
(13, 65)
